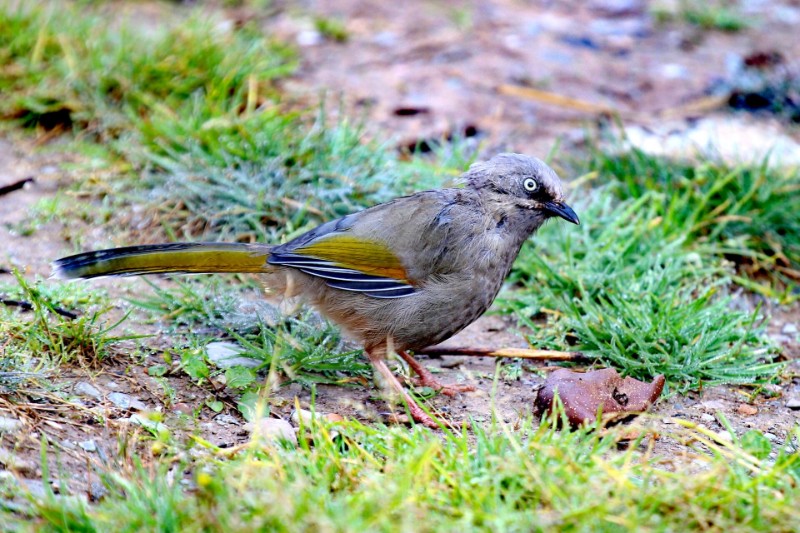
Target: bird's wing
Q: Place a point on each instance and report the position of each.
(381, 252)
(350, 263)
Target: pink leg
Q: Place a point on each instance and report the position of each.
(426, 379)
(416, 411)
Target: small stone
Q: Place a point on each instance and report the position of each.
(183, 408)
(11, 461)
(713, 405)
(303, 415)
(9, 425)
(793, 403)
(724, 435)
(789, 329)
(746, 410)
(707, 418)
(274, 430)
(88, 445)
(97, 491)
(228, 354)
(83, 388)
(226, 420)
(147, 422)
(770, 436)
(334, 417)
(125, 401)
(309, 38)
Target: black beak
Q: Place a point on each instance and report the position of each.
(562, 210)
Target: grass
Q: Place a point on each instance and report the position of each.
(48, 326)
(356, 478)
(627, 288)
(721, 15)
(746, 214)
(185, 133)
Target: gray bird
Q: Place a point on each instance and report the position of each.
(395, 277)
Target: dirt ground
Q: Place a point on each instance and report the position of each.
(418, 70)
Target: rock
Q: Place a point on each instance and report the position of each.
(746, 410)
(707, 418)
(88, 390)
(583, 393)
(228, 354)
(146, 422)
(724, 435)
(226, 420)
(302, 415)
(183, 408)
(12, 461)
(789, 329)
(618, 8)
(88, 445)
(713, 405)
(9, 425)
(733, 140)
(793, 404)
(771, 436)
(306, 417)
(97, 491)
(125, 401)
(273, 430)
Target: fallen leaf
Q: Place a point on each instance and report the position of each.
(583, 393)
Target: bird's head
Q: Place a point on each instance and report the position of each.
(524, 182)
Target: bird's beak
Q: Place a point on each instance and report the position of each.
(562, 210)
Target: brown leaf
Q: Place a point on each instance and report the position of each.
(583, 393)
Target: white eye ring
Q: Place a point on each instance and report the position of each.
(530, 184)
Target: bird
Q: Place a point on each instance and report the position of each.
(395, 277)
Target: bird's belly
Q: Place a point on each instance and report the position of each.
(441, 312)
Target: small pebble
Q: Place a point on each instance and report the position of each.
(746, 410)
(228, 354)
(88, 445)
(771, 436)
(273, 429)
(125, 401)
(713, 405)
(724, 435)
(12, 462)
(183, 408)
(793, 403)
(707, 418)
(9, 425)
(789, 329)
(83, 388)
(226, 420)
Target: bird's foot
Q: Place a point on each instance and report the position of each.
(442, 388)
(417, 415)
(426, 379)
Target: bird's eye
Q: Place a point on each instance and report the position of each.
(530, 184)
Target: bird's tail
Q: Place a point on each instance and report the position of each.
(201, 257)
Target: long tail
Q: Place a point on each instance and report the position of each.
(200, 257)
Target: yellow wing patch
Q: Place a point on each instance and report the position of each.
(348, 251)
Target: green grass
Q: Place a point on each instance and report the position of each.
(53, 325)
(627, 289)
(361, 478)
(69, 68)
(721, 15)
(746, 214)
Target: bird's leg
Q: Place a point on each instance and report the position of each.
(426, 379)
(376, 357)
